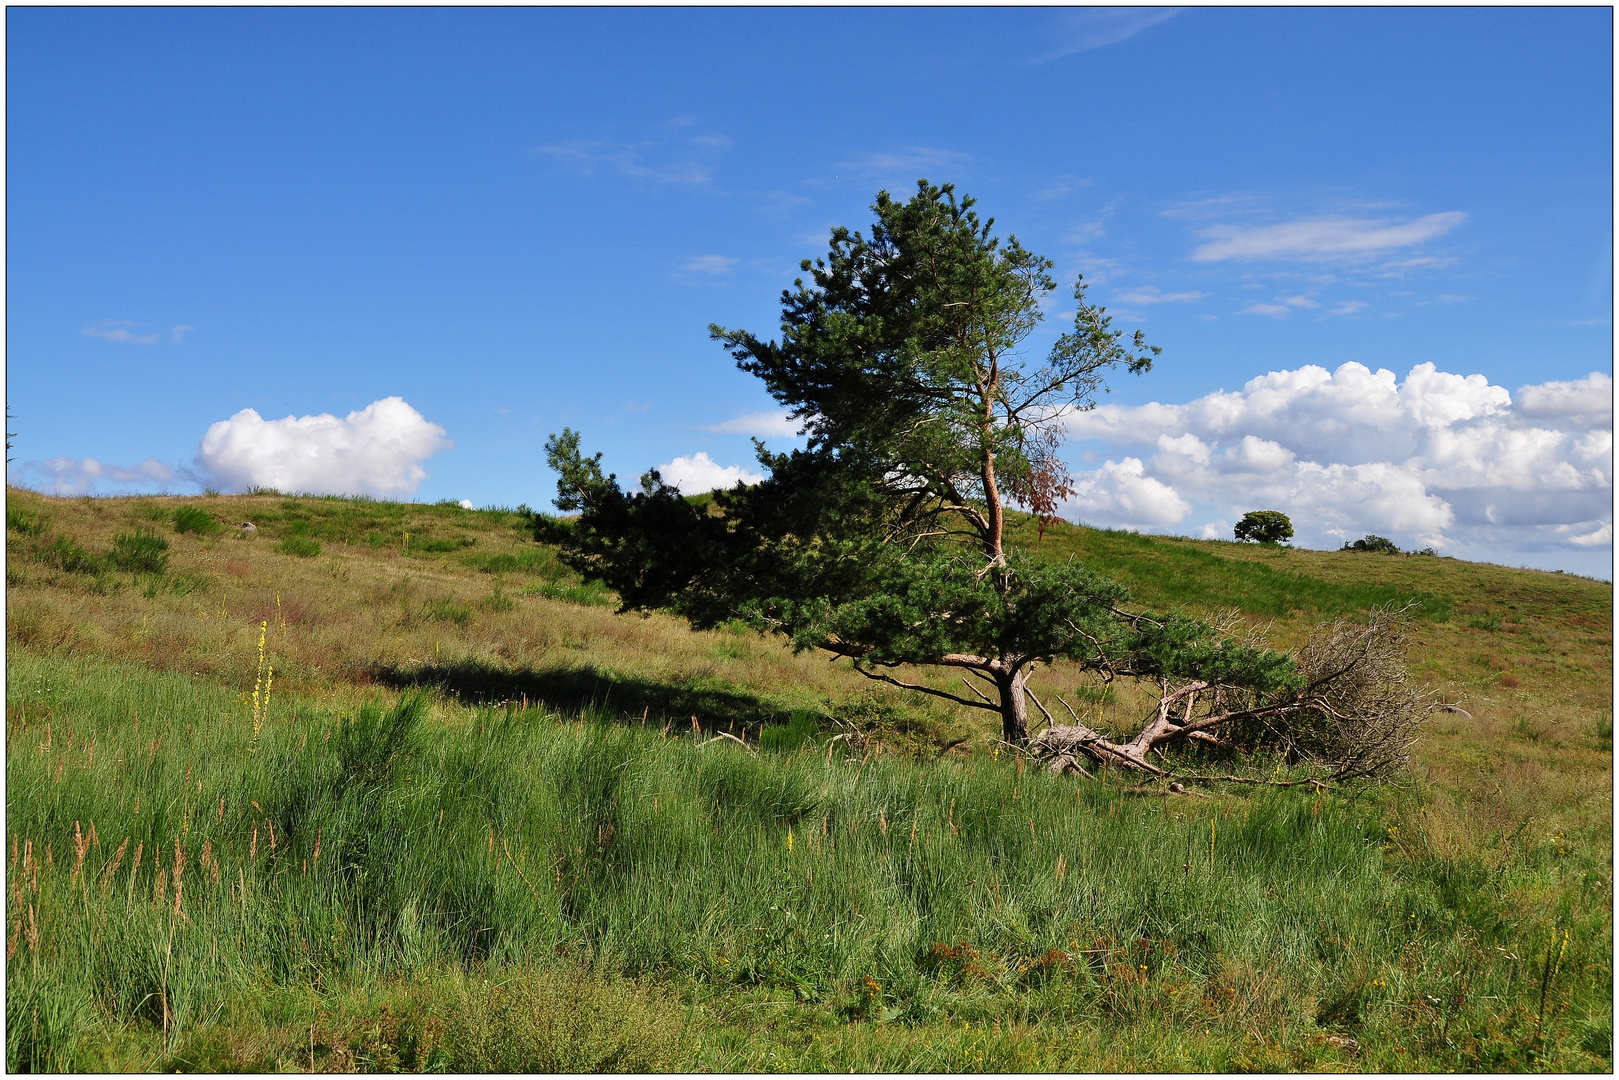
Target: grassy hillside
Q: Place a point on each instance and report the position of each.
(545, 864)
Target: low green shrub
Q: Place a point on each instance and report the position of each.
(1382, 545)
(301, 546)
(25, 522)
(588, 593)
(447, 609)
(532, 560)
(67, 554)
(196, 520)
(139, 552)
(433, 545)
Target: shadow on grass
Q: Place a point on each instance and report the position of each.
(581, 689)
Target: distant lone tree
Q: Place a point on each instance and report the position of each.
(1380, 544)
(883, 540)
(1265, 527)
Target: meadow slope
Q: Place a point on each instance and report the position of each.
(384, 786)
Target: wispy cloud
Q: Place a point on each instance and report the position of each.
(1274, 310)
(119, 333)
(1321, 238)
(763, 425)
(1150, 295)
(1282, 306)
(1061, 186)
(910, 161)
(709, 264)
(134, 333)
(682, 162)
(67, 476)
(1348, 307)
(1095, 28)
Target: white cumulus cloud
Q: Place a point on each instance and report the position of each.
(1438, 458)
(1588, 400)
(699, 473)
(377, 451)
(1120, 493)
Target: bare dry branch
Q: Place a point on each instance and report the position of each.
(919, 688)
(1357, 715)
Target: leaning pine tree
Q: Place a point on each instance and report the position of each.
(883, 540)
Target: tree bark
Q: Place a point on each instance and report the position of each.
(997, 515)
(1014, 708)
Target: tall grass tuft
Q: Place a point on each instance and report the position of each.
(302, 546)
(139, 552)
(24, 522)
(194, 519)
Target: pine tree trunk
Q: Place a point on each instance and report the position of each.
(1014, 708)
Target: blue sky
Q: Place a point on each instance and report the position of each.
(515, 220)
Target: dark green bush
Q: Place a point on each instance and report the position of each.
(24, 522)
(195, 519)
(448, 610)
(434, 545)
(588, 593)
(1382, 545)
(370, 743)
(64, 553)
(298, 545)
(139, 552)
(530, 560)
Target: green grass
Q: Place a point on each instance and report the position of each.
(139, 552)
(25, 523)
(840, 888)
(194, 519)
(1170, 571)
(531, 878)
(540, 561)
(302, 546)
(589, 593)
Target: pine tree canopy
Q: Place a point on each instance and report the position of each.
(902, 357)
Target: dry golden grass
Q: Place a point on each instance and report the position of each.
(1528, 654)
(361, 614)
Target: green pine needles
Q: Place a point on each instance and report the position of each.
(903, 357)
